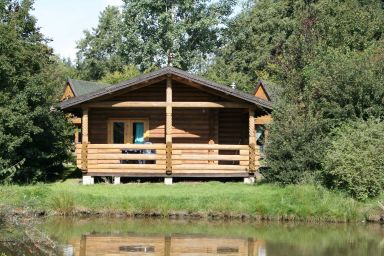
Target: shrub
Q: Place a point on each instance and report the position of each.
(354, 161)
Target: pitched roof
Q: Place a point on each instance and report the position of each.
(163, 72)
(81, 87)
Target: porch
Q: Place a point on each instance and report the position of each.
(152, 160)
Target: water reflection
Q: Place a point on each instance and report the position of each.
(119, 236)
(172, 245)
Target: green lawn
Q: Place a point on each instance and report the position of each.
(300, 202)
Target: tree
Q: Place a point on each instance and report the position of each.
(33, 135)
(99, 52)
(255, 40)
(331, 70)
(128, 72)
(149, 33)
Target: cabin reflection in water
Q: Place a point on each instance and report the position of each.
(173, 245)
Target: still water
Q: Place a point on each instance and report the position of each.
(118, 236)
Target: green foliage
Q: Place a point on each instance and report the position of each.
(327, 80)
(144, 33)
(99, 50)
(354, 162)
(30, 128)
(255, 41)
(10, 172)
(128, 72)
(294, 152)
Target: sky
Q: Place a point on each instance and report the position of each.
(64, 21)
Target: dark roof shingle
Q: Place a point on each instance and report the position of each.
(81, 87)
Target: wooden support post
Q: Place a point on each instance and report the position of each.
(213, 132)
(168, 127)
(84, 133)
(76, 135)
(252, 141)
(84, 123)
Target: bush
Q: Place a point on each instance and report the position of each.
(295, 147)
(354, 161)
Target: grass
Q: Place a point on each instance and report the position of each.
(266, 201)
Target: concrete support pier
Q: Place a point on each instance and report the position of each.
(116, 180)
(249, 180)
(168, 181)
(88, 180)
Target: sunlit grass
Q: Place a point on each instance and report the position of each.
(299, 202)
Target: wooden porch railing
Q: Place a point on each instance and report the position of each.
(151, 158)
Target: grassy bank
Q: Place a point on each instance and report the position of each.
(203, 200)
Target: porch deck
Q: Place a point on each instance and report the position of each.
(150, 160)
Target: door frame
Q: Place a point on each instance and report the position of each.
(128, 128)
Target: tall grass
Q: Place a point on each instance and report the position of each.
(234, 200)
(63, 203)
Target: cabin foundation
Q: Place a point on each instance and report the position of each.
(249, 180)
(168, 181)
(116, 180)
(88, 180)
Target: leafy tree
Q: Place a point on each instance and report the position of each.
(128, 72)
(255, 40)
(32, 134)
(331, 70)
(61, 70)
(99, 52)
(145, 34)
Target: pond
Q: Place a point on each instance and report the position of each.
(121, 236)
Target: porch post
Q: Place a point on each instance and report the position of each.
(84, 123)
(84, 134)
(252, 141)
(168, 127)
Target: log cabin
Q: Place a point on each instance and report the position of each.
(166, 124)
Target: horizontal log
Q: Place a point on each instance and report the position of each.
(207, 167)
(125, 104)
(210, 157)
(157, 104)
(208, 171)
(126, 146)
(206, 104)
(210, 146)
(161, 174)
(266, 119)
(103, 161)
(126, 156)
(108, 172)
(127, 166)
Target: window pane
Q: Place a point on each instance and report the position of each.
(118, 132)
(138, 132)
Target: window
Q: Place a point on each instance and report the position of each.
(122, 131)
